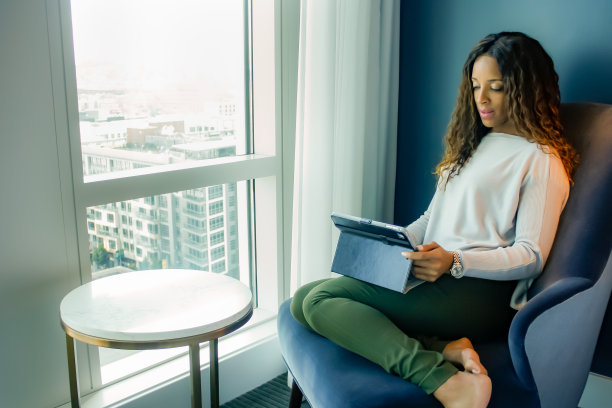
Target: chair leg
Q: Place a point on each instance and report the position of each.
(295, 400)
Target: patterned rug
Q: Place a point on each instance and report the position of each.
(273, 394)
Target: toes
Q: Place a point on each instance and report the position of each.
(471, 362)
(474, 367)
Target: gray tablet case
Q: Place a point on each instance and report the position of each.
(375, 261)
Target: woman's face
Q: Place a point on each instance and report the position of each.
(490, 95)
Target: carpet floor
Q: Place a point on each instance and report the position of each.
(273, 394)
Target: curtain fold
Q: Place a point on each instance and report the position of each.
(346, 124)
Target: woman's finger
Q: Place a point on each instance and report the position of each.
(428, 247)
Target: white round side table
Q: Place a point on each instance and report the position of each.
(156, 309)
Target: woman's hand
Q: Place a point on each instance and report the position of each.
(430, 262)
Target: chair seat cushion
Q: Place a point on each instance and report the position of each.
(331, 376)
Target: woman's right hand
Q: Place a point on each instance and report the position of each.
(430, 262)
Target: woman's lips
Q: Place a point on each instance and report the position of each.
(486, 114)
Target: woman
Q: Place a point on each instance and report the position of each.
(503, 182)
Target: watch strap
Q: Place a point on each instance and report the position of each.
(456, 258)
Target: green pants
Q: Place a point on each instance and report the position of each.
(406, 333)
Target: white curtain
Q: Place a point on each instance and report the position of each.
(346, 124)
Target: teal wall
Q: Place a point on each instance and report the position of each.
(436, 37)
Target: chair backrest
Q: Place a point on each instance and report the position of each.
(552, 339)
(585, 226)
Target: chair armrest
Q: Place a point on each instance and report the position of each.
(553, 295)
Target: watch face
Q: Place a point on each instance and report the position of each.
(457, 271)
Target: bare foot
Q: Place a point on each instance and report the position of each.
(465, 390)
(462, 352)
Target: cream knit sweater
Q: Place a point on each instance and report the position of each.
(500, 213)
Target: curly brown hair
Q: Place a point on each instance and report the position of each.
(533, 99)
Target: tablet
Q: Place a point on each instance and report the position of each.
(391, 234)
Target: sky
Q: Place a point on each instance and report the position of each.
(155, 44)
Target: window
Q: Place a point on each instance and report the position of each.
(194, 238)
(163, 215)
(217, 238)
(195, 209)
(215, 208)
(216, 223)
(217, 253)
(218, 267)
(215, 192)
(136, 75)
(153, 228)
(196, 225)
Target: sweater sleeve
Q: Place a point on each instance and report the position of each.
(416, 230)
(542, 197)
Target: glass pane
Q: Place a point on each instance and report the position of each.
(186, 229)
(158, 82)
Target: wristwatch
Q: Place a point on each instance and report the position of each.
(456, 269)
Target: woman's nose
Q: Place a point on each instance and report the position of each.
(482, 96)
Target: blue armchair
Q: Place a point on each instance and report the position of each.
(546, 359)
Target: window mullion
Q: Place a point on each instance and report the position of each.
(161, 182)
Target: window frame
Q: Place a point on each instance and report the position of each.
(263, 166)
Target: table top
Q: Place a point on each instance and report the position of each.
(155, 306)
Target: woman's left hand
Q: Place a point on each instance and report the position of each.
(430, 262)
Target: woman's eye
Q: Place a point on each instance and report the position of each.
(475, 87)
(498, 89)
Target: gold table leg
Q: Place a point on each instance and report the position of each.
(72, 373)
(214, 373)
(196, 382)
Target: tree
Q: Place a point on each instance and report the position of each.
(119, 255)
(101, 256)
